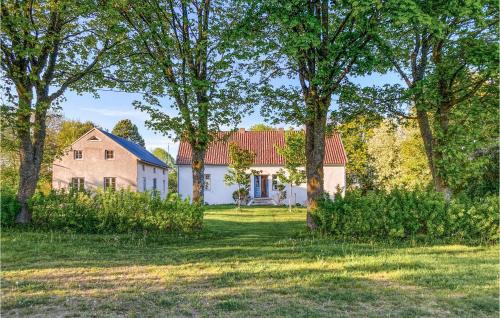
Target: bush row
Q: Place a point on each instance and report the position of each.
(114, 212)
(9, 206)
(403, 214)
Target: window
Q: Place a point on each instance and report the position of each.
(154, 184)
(163, 186)
(78, 184)
(109, 154)
(143, 168)
(144, 188)
(163, 171)
(208, 182)
(110, 183)
(77, 154)
(94, 138)
(275, 182)
(154, 170)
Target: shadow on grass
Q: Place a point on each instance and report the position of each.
(257, 293)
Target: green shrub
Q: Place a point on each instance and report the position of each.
(403, 214)
(9, 206)
(114, 212)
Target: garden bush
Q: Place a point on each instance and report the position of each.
(114, 212)
(9, 206)
(403, 214)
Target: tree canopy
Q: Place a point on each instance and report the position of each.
(128, 130)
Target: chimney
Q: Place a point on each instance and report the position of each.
(241, 130)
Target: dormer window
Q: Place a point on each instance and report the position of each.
(77, 155)
(109, 154)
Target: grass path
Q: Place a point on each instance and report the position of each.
(256, 263)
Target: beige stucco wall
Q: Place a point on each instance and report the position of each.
(93, 167)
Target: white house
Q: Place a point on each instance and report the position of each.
(99, 159)
(263, 187)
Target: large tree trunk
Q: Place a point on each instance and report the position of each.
(430, 145)
(315, 154)
(30, 153)
(28, 178)
(198, 168)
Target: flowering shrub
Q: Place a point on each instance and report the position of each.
(403, 214)
(114, 212)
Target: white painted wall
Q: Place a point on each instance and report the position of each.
(150, 172)
(220, 193)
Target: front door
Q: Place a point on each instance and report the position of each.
(260, 186)
(263, 187)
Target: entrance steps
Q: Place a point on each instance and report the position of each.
(262, 201)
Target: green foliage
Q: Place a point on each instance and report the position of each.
(238, 172)
(128, 130)
(398, 156)
(262, 127)
(114, 212)
(163, 155)
(9, 206)
(294, 153)
(356, 132)
(242, 196)
(401, 214)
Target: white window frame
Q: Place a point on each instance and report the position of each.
(112, 183)
(208, 182)
(79, 184)
(155, 185)
(274, 182)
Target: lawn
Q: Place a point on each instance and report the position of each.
(254, 263)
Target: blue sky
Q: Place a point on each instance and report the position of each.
(113, 106)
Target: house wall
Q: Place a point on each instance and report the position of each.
(220, 193)
(150, 172)
(93, 167)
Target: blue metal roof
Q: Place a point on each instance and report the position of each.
(139, 151)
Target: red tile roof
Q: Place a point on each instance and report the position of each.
(262, 144)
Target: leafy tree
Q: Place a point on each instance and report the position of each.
(126, 129)
(238, 173)
(319, 43)
(356, 131)
(398, 156)
(163, 155)
(183, 50)
(47, 47)
(69, 131)
(446, 53)
(262, 127)
(295, 158)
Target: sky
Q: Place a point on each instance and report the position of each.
(111, 107)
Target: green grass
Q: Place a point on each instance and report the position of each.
(254, 263)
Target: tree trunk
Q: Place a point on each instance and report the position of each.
(28, 178)
(198, 168)
(315, 153)
(290, 199)
(30, 152)
(432, 155)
